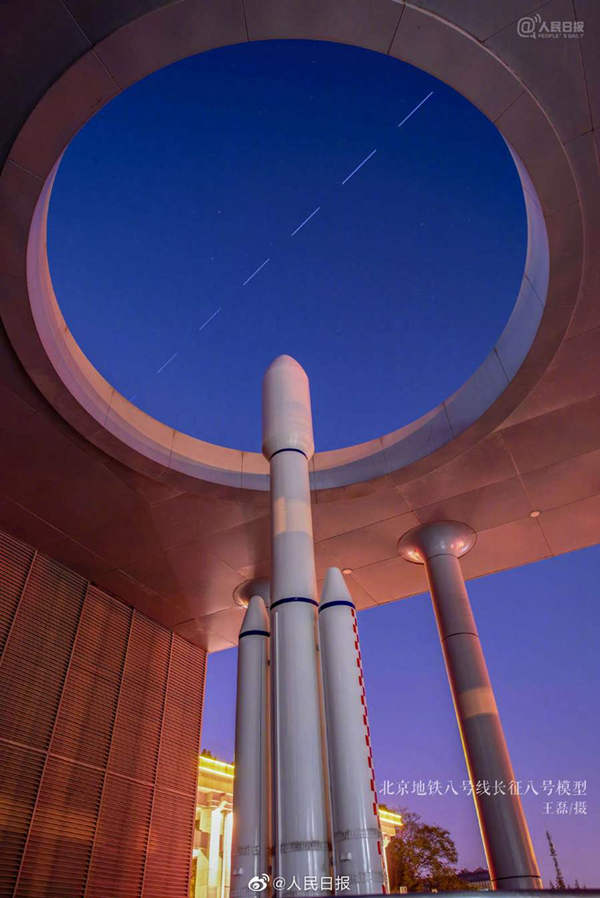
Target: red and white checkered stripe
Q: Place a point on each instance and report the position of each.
(363, 700)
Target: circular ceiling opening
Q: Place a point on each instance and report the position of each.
(295, 197)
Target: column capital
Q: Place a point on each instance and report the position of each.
(437, 538)
(256, 586)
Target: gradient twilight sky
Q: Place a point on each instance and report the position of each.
(390, 296)
(540, 629)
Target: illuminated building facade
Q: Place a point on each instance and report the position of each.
(211, 856)
(390, 823)
(211, 862)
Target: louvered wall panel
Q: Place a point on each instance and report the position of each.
(102, 635)
(120, 850)
(20, 771)
(137, 732)
(85, 722)
(15, 561)
(181, 729)
(58, 851)
(87, 712)
(37, 654)
(169, 852)
(85, 683)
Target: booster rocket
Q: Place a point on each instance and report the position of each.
(357, 848)
(251, 795)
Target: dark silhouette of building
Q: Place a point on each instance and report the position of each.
(478, 878)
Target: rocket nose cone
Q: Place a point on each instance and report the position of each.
(285, 361)
(287, 420)
(256, 617)
(334, 588)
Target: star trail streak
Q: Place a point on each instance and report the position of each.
(299, 227)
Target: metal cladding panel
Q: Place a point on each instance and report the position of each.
(60, 841)
(169, 848)
(37, 653)
(87, 711)
(20, 772)
(180, 743)
(119, 857)
(137, 730)
(15, 562)
(104, 704)
(102, 635)
(84, 726)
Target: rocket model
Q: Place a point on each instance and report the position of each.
(301, 843)
(357, 850)
(322, 785)
(251, 797)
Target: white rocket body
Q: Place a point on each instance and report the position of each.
(357, 842)
(319, 770)
(301, 844)
(252, 792)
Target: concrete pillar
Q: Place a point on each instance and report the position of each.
(301, 845)
(504, 831)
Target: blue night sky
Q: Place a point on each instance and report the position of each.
(390, 296)
(173, 196)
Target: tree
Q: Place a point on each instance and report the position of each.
(560, 882)
(422, 858)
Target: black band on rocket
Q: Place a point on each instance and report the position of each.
(288, 449)
(294, 599)
(337, 602)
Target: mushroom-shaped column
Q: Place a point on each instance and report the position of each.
(357, 848)
(504, 831)
(251, 792)
(301, 846)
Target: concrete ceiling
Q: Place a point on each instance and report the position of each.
(175, 543)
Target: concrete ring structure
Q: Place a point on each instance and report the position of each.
(176, 451)
(112, 414)
(519, 436)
